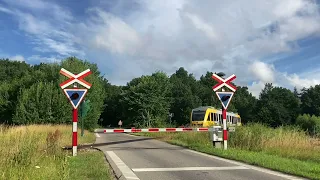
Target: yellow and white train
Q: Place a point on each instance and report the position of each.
(208, 116)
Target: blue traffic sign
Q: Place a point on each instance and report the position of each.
(225, 98)
(75, 96)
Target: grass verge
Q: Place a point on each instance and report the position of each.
(282, 149)
(34, 152)
(89, 165)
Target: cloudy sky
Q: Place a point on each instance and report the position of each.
(276, 41)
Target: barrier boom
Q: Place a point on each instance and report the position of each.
(154, 130)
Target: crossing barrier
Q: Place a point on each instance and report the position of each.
(215, 132)
(133, 130)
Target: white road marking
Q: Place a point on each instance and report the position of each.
(249, 166)
(187, 169)
(131, 135)
(125, 170)
(97, 135)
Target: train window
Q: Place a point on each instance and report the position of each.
(218, 119)
(198, 115)
(234, 120)
(211, 115)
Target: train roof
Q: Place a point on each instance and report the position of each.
(204, 108)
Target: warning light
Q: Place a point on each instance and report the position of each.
(224, 98)
(74, 96)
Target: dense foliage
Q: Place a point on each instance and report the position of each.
(31, 94)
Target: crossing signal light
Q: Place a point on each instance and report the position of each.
(224, 98)
(74, 96)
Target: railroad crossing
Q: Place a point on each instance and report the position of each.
(157, 160)
(143, 158)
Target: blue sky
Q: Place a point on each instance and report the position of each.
(259, 41)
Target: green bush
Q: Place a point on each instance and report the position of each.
(311, 124)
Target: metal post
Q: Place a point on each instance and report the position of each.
(74, 129)
(74, 79)
(74, 132)
(225, 132)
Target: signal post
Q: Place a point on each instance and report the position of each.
(225, 98)
(75, 97)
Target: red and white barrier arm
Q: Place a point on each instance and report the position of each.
(154, 130)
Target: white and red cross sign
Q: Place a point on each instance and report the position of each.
(224, 82)
(75, 78)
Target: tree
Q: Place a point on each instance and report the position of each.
(310, 100)
(31, 94)
(113, 108)
(277, 106)
(245, 104)
(184, 96)
(36, 97)
(146, 101)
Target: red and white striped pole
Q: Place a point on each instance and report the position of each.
(74, 132)
(74, 129)
(225, 132)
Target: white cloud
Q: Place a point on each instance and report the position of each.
(115, 35)
(47, 25)
(225, 36)
(300, 83)
(307, 79)
(263, 71)
(38, 58)
(17, 58)
(229, 36)
(256, 88)
(5, 10)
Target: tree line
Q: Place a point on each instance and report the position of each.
(31, 94)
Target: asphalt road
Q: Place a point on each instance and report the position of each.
(143, 158)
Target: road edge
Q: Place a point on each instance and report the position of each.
(116, 173)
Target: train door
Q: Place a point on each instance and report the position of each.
(211, 119)
(219, 117)
(208, 120)
(215, 119)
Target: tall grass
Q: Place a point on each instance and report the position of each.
(286, 142)
(34, 152)
(283, 149)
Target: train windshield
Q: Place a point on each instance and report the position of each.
(198, 115)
